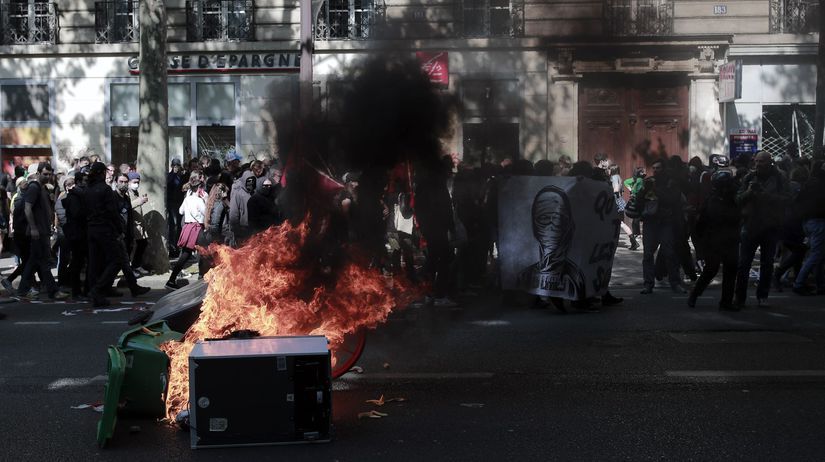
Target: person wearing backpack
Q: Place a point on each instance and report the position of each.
(634, 185)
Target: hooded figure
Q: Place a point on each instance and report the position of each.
(242, 190)
(553, 275)
(261, 207)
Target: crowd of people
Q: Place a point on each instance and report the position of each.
(439, 227)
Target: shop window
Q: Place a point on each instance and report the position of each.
(493, 18)
(179, 101)
(25, 134)
(345, 19)
(491, 98)
(25, 103)
(180, 144)
(216, 101)
(490, 142)
(125, 102)
(124, 145)
(215, 141)
(788, 128)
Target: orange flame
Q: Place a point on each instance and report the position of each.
(263, 286)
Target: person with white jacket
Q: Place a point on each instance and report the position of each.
(193, 210)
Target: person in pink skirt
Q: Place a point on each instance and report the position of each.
(193, 210)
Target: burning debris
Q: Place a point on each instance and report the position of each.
(269, 287)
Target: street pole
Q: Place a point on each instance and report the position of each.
(305, 76)
(153, 133)
(819, 121)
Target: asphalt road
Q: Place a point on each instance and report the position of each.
(650, 379)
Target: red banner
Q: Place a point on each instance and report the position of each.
(436, 65)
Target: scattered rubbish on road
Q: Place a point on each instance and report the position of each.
(97, 407)
(381, 401)
(371, 415)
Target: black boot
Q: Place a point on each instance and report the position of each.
(609, 300)
(634, 244)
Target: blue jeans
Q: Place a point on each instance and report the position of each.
(815, 230)
(765, 241)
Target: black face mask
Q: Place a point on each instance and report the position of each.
(266, 190)
(250, 185)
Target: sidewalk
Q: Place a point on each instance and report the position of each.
(154, 281)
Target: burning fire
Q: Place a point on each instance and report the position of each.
(265, 286)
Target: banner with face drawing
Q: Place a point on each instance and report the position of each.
(557, 235)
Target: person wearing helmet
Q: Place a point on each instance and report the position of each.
(717, 227)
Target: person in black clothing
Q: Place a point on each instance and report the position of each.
(660, 201)
(174, 197)
(434, 211)
(21, 240)
(764, 195)
(106, 231)
(717, 228)
(261, 207)
(39, 219)
(75, 232)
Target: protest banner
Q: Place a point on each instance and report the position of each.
(557, 235)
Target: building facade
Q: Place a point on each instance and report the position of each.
(536, 78)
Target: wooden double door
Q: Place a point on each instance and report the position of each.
(634, 119)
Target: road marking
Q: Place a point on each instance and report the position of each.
(417, 375)
(114, 322)
(36, 323)
(75, 382)
(729, 337)
(773, 373)
(491, 323)
(778, 315)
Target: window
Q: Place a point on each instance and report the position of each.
(125, 103)
(202, 116)
(639, 17)
(216, 101)
(28, 21)
(788, 127)
(345, 19)
(25, 124)
(220, 20)
(493, 18)
(116, 21)
(794, 16)
(492, 109)
(25, 103)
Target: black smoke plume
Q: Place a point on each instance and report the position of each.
(392, 114)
